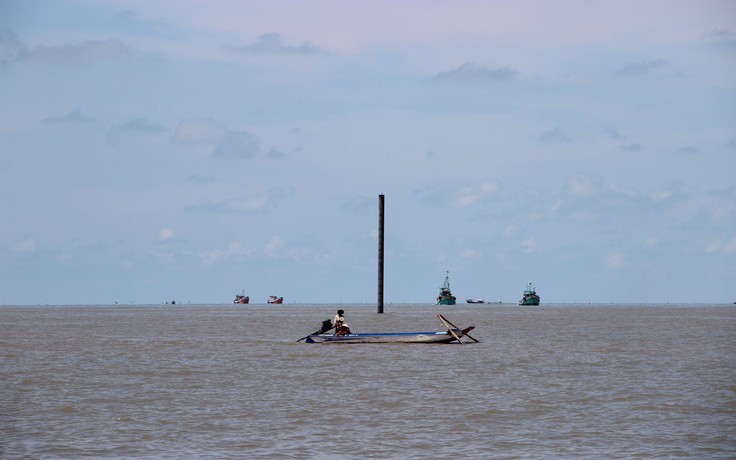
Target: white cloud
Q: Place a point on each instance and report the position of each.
(637, 69)
(234, 251)
(472, 71)
(212, 256)
(465, 199)
(253, 203)
(273, 43)
(306, 253)
(126, 264)
(556, 205)
(469, 196)
(729, 246)
(274, 245)
(77, 54)
(615, 260)
(237, 144)
(249, 204)
(583, 185)
(554, 136)
(488, 187)
(275, 154)
(239, 250)
(633, 147)
(11, 46)
(74, 116)
(164, 257)
(470, 254)
(726, 247)
(165, 234)
(136, 127)
(660, 195)
(206, 131)
(27, 245)
(529, 245)
(225, 143)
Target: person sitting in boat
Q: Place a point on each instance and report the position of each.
(339, 319)
(341, 327)
(344, 329)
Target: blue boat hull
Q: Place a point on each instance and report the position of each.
(389, 337)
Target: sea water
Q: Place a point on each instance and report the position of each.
(225, 381)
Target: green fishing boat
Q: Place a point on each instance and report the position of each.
(446, 297)
(530, 296)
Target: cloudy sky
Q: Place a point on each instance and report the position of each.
(186, 150)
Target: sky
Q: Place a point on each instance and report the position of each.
(188, 150)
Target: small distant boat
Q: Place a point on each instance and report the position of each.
(530, 296)
(446, 297)
(475, 301)
(452, 334)
(241, 298)
(274, 299)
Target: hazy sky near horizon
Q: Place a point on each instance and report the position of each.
(186, 150)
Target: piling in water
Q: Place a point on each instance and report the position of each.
(380, 253)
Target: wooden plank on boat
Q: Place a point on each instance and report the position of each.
(449, 328)
(445, 320)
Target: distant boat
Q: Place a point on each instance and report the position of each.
(530, 296)
(241, 298)
(274, 299)
(475, 301)
(446, 297)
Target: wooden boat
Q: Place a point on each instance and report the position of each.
(451, 334)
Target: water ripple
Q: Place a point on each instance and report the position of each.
(215, 382)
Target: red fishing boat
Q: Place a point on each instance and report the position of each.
(241, 298)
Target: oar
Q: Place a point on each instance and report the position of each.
(313, 333)
(470, 336)
(449, 329)
(321, 331)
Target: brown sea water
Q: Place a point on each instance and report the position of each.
(222, 381)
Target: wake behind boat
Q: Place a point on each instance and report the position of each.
(450, 335)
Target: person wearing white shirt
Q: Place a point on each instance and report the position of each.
(341, 327)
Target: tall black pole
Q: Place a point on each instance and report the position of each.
(380, 253)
